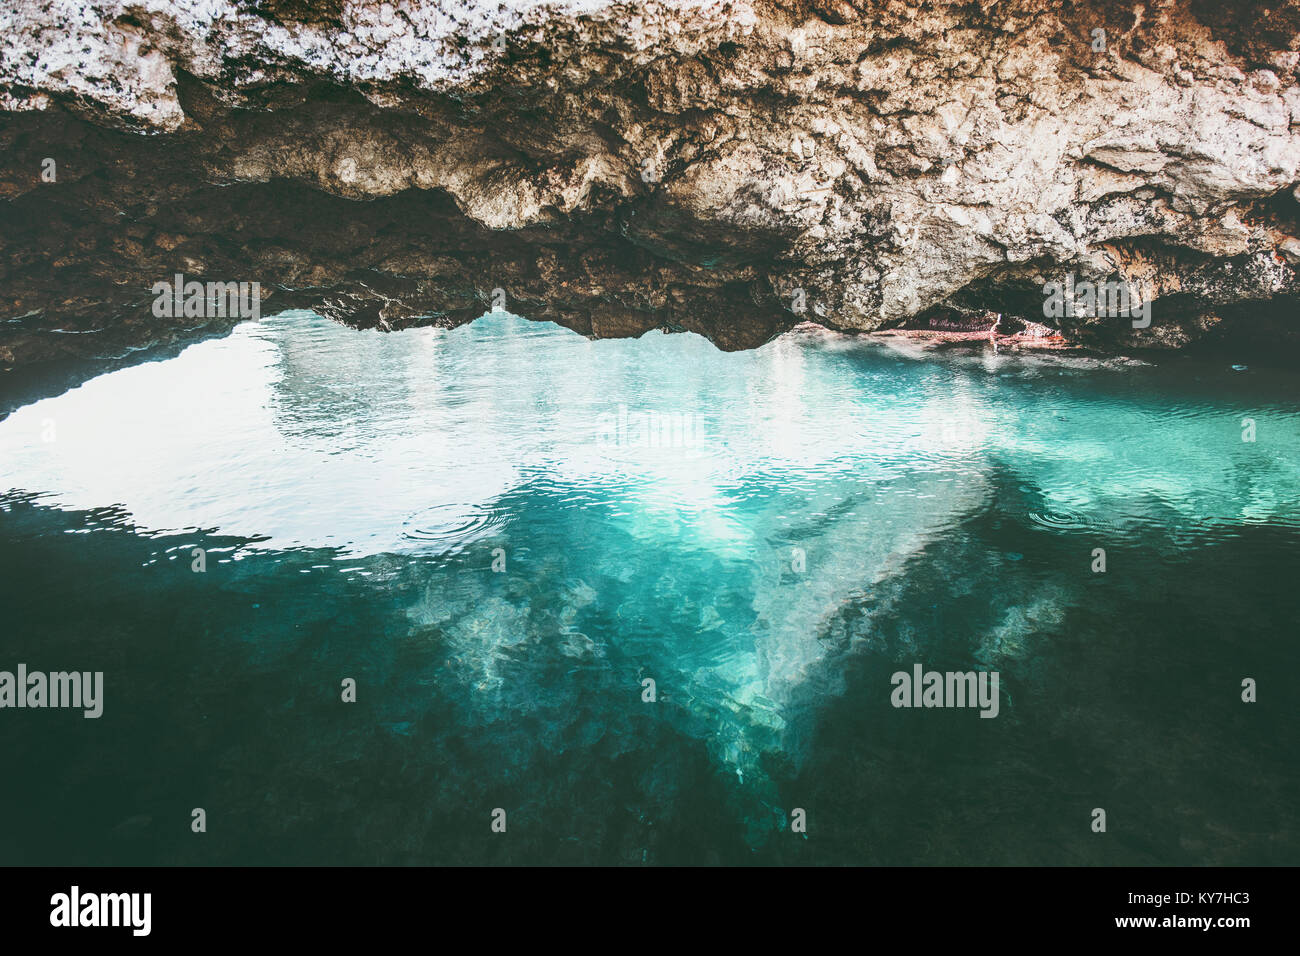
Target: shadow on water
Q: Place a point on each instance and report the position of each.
(479, 691)
(1119, 690)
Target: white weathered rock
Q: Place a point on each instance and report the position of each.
(886, 159)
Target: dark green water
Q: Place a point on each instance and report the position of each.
(819, 514)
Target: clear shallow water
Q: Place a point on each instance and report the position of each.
(353, 490)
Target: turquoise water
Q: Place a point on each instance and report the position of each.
(501, 531)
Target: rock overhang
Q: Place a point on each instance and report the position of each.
(732, 169)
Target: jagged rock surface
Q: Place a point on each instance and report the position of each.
(617, 167)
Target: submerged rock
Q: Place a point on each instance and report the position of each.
(729, 168)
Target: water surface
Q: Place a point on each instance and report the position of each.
(501, 531)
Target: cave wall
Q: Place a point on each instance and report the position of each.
(728, 168)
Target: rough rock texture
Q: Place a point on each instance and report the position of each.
(617, 167)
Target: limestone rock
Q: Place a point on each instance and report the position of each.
(731, 167)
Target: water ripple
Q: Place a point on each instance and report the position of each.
(1063, 520)
(452, 525)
